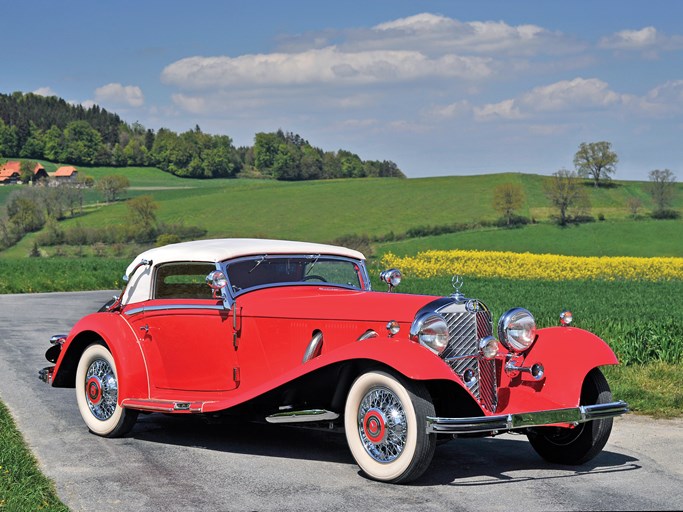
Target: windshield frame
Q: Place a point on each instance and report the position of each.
(315, 259)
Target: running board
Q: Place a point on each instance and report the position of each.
(310, 415)
(168, 406)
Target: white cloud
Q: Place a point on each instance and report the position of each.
(44, 91)
(506, 109)
(451, 111)
(631, 39)
(647, 40)
(130, 95)
(435, 33)
(319, 66)
(665, 100)
(563, 96)
(570, 94)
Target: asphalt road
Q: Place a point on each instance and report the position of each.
(182, 463)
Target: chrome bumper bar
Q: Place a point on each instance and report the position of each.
(506, 422)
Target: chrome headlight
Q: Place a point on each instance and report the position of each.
(517, 329)
(430, 330)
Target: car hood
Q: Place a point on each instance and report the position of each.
(330, 303)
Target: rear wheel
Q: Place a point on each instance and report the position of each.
(583, 442)
(97, 394)
(385, 424)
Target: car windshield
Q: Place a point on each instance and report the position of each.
(264, 270)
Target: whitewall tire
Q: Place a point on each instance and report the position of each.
(97, 394)
(385, 424)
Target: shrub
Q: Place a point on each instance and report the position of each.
(167, 238)
(360, 243)
(665, 213)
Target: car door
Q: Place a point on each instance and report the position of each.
(186, 335)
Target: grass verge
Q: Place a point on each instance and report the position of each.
(22, 485)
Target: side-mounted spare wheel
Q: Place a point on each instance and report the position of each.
(97, 394)
(385, 423)
(583, 442)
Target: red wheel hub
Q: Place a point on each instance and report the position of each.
(93, 389)
(374, 426)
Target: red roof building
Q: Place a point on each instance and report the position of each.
(10, 172)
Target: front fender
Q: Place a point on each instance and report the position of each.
(121, 341)
(567, 355)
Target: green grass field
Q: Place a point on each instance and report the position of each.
(323, 211)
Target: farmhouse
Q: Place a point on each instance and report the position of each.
(10, 173)
(65, 174)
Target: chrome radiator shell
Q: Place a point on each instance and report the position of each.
(469, 322)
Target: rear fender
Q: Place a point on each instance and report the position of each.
(121, 341)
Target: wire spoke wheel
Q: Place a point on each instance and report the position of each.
(382, 425)
(385, 422)
(101, 389)
(97, 394)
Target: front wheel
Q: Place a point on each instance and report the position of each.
(385, 422)
(583, 442)
(97, 394)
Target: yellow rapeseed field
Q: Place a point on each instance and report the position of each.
(535, 266)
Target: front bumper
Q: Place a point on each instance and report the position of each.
(46, 374)
(506, 422)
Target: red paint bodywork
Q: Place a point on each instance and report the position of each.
(205, 356)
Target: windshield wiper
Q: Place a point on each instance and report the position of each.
(258, 263)
(308, 270)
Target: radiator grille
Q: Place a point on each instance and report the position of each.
(466, 328)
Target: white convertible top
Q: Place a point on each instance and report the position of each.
(218, 250)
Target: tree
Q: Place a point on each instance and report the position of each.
(634, 204)
(25, 213)
(26, 171)
(596, 160)
(566, 193)
(82, 143)
(142, 214)
(112, 186)
(662, 189)
(508, 198)
(8, 139)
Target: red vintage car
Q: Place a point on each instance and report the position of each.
(291, 332)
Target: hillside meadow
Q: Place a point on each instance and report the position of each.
(382, 208)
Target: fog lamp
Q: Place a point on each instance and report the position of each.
(393, 327)
(488, 347)
(469, 378)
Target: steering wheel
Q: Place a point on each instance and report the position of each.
(315, 276)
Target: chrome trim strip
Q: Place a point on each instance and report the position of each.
(168, 406)
(302, 416)
(370, 333)
(502, 423)
(144, 309)
(314, 347)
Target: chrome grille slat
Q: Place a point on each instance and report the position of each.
(465, 330)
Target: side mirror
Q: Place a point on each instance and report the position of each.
(216, 281)
(392, 277)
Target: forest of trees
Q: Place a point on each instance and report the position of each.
(49, 128)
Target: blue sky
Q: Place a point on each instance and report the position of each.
(439, 87)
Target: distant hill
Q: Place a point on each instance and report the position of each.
(393, 212)
(49, 128)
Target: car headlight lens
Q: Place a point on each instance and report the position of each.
(517, 329)
(430, 330)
